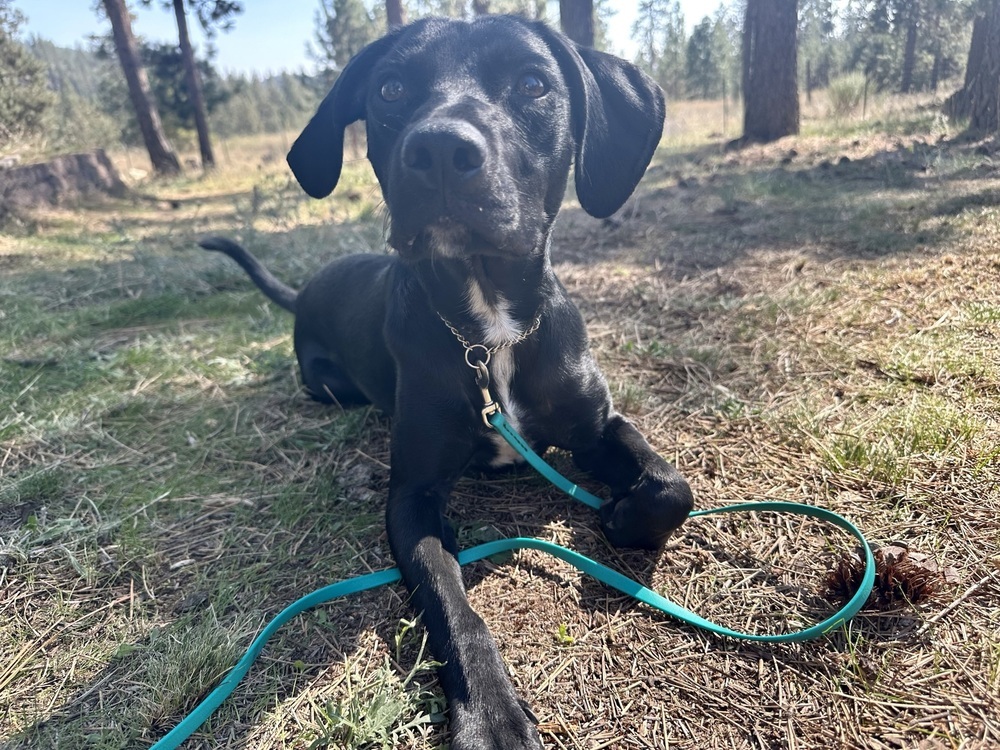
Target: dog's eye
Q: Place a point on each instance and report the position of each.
(532, 85)
(392, 90)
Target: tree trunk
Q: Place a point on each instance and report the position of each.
(936, 70)
(910, 50)
(193, 81)
(957, 106)
(395, 13)
(481, 7)
(770, 88)
(984, 87)
(161, 153)
(576, 17)
(960, 104)
(935, 32)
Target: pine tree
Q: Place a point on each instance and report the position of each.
(770, 87)
(907, 45)
(211, 14)
(702, 73)
(168, 89)
(161, 152)
(979, 97)
(395, 13)
(343, 27)
(819, 51)
(77, 70)
(910, 20)
(646, 31)
(659, 31)
(576, 18)
(670, 70)
(985, 85)
(727, 36)
(24, 92)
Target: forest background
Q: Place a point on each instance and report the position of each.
(74, 99)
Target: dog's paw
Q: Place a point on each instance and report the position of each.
(500, 725)
(648, 513)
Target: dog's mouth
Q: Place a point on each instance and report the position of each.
(445, 239)
(455, 235)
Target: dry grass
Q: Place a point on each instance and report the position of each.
(815, 320)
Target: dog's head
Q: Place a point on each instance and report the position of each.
(473, 126)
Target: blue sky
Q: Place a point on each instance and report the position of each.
(269, 36)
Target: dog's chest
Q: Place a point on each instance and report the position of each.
(499, 328)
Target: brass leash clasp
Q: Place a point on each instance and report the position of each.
(482, 354)
(490, 407)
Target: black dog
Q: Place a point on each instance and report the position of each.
(472, 129)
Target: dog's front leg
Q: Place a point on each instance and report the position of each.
(649, 497)
(486, 713)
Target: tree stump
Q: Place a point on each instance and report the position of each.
(62, 181)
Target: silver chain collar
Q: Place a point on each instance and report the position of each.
(487, 350)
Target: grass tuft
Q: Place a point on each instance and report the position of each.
(382, 708)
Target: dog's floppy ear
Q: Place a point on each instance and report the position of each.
(617, 113)
(317, 155)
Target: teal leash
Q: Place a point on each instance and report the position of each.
(643, 594)
(612, 578)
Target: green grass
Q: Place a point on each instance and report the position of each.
(891, 449)
(139, 399)
(381, 708)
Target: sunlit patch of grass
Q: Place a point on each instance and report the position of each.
(692, 123)
(381, 708)
(904, 431)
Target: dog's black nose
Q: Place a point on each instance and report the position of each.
(445, 155)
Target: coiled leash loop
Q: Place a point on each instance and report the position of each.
(495, 419)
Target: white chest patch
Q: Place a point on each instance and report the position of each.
(499, 328)
(495, 319)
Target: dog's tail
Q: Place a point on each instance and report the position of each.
(278, 292)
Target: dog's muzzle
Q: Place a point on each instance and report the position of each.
(449, 189)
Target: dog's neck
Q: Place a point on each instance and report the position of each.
(490, 299)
